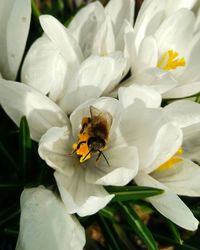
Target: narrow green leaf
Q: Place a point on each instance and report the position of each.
(173, 228)
(9, 231)
(178, 246)
(110, 234)
(36, 11)
(138, 226)
(130, 193)
(108, 213)
(24, 146)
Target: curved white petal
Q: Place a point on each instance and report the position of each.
(180, 22)
(178, 4)
(45, 224)
(148, 19)
(120, 38)
(55, 147)
(169, 204)
(105, 104)
(183, 90)
(139, 127)
(119, 10)
(79, 196)
(96, 75)
(62, 39)
(182, 178)
(184, 113)
(19, 100)
(85, 24)
(44, 68)
(168, 141)
(122, 168)
(104, 40)
(191, 143)
(128, 95)
(15, 18)
(147, 54)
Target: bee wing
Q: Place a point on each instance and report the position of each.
(98, 116)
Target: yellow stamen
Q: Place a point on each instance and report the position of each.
(170, 61)
(172, 161)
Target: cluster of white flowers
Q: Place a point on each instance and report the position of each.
(103, 60)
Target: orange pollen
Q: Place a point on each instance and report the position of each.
(170, 61)
(172, 161)
(81, 147)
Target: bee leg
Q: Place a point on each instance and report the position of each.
(101, 153)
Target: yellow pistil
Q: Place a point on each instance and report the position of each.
(170, 61)
(172, 161)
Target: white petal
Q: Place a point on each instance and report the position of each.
(191, 143)
(44, 221)
(139, 127)
(178, 4)
(130, 50)
(120, 38)
(104, 40)
(147, 54)
(183, 90)
(184, 113)
(14, 25)
(62, 39)
(85, 24)
(44, 67)
(128, 95)
(119, 10)
(96, 75)
(148, 19)
(168, 141)
(79, 196)
(105, 104)
(182, 178)
(169, 204)
(180, 22)
(54, 147)
(19, 100)
(122, 168)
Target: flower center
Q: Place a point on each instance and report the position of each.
(172, 161)
(93, 136)
(170, 60)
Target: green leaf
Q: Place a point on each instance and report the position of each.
(9, 213)
(110, 235)
(130, 193)
(178, 246)
(108, 213)
(24, 146)
(173, 228)
(138, 226)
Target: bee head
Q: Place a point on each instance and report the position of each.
(96, 143)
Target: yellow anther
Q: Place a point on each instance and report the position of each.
(170, 61)
(172, 161)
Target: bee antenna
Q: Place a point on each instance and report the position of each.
(101, 153)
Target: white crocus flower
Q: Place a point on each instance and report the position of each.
(14, 26)
(162, 50)
(80, 183)
(170, 166)
(55, 66)
(45, 223)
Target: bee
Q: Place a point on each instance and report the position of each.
(94, 134)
